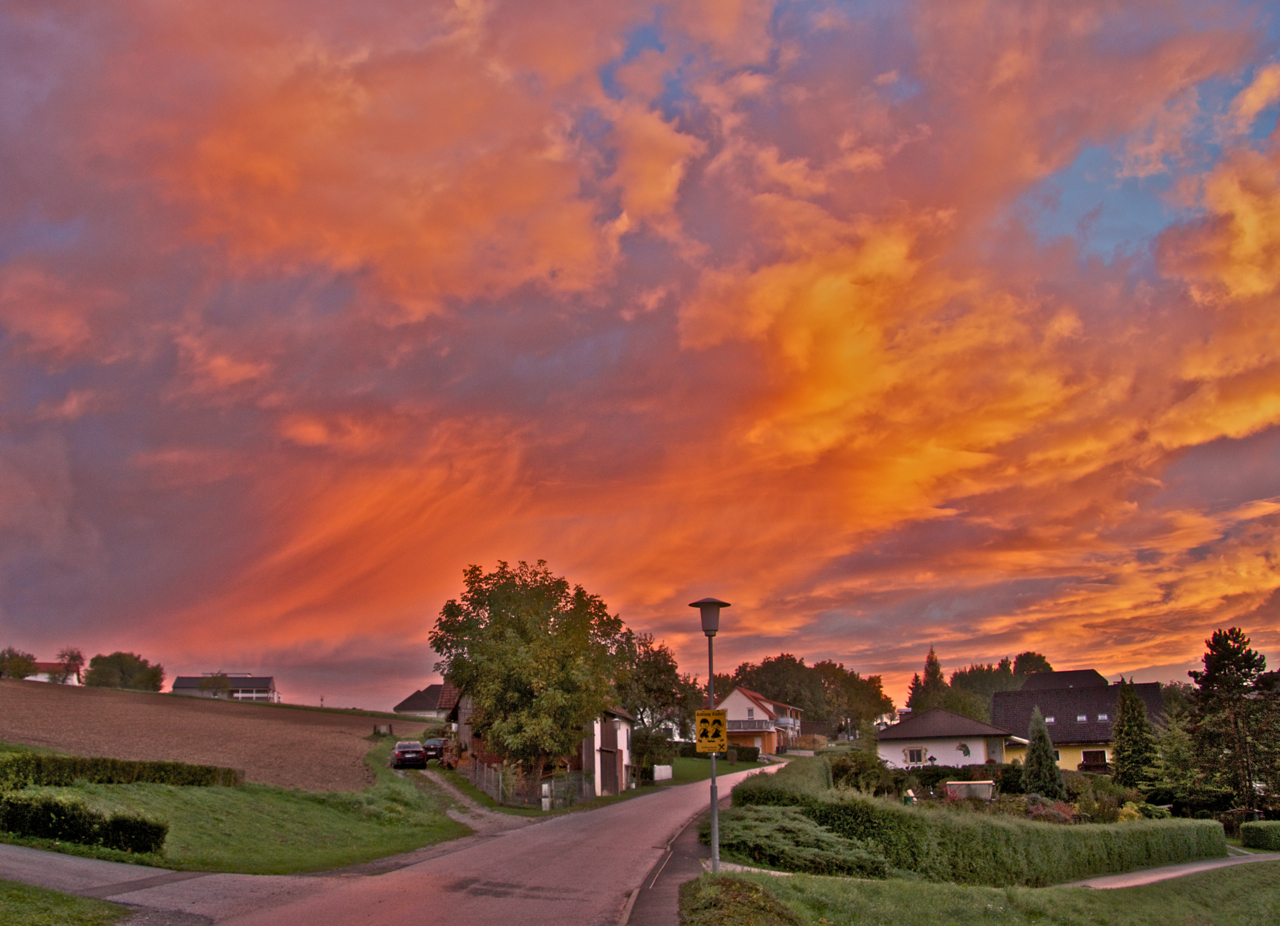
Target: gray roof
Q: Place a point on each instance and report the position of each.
(428, 699)
(1012, 709)
(936, 723)
(1074, 678)
(238, 682)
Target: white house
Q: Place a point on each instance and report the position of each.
(606, 752)
(55, 672)
(755, 720)
(941, 737)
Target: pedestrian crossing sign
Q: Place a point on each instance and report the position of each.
(713, 731)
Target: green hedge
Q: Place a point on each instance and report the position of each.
(784, 837)
(1261, 835)
(45, 817)
(970, 848)
(690, 751)
(26, 769)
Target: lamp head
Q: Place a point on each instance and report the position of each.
(710, 608)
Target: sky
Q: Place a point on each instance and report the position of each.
(896, 325)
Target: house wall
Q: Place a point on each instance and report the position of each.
(1070, 756)
(737, 705)
(766, 741)
(624, 749)
(947, 751)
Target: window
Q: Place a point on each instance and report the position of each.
(1050, 719)
(1056, 757)
(1081, 718)
(915, 756)
(751, 713)
(1103, 718)
(1094, 756)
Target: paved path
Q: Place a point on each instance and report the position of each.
(1152, 875)
(570, 869)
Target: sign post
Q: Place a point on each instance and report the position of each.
(716, 722)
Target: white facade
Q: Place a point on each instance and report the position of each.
(952, 751)
(622, 730)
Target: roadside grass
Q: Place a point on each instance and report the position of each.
(685, 771)
(23, 905)
(259, 829)
(1244, 895)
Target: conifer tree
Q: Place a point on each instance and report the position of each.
(1133, 748)
(1041, 774)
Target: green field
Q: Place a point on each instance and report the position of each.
(1245, 895)
(23, 905)
(258, 829)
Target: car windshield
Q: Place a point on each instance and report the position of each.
(435, 742)
(403, 746)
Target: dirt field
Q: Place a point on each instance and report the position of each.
(314, 750)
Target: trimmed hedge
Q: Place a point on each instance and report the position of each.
(965, 848)
(690, 751)
(26, 769)
(785, 838)
(46, 817)
(1261, 834)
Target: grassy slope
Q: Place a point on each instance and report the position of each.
(259, 829)
(1246, 895)
(23, 905)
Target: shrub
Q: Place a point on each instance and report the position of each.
(1261, 835)
(45, 817)
(783, 837)
(711, 901)
(748, 753)
(980, 848)
(27, 769)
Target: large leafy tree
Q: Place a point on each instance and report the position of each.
(1030, 663)
(933, 691)
(124, 670)
(537, 657)
(787, 679)
(850, 698)
(1041, 774)
(651, 687)
(70, 660)
(1133, 751)
(14, 663)
(1234, 718)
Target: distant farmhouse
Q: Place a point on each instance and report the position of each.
(241, 686)
(55, 672)
(1079, 709)
(431, 703)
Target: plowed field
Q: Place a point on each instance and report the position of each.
(313, 750)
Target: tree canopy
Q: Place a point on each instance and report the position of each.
(1133, 750)
(1041, 774)
(14, 663)
(537, 657)
(825, 691)
(651, 687)
(124, 670)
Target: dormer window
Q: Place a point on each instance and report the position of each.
(1081, 718)
(1102, 718)
(1050, 719)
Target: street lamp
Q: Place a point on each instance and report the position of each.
(710, 608)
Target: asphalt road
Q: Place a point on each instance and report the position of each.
(570, 869)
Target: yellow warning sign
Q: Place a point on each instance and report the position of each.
(713, 731)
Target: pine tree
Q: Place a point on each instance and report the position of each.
(1133, 750)
(1041, 774)
(1231, 717)
(925, 693)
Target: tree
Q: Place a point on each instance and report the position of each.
(652, 689)
(537, 658)
(985, 680)
(1233, 717)
(1041, 774)
(1174, 766)
(14, 663)
(850, 698)
(124, 670)
(924, 691)
(72, 661)
(787, 679)
(218, 685)
(1133, 750)
(1030, 663)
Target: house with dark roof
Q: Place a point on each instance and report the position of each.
(241, 686)
(1079, 711)
(755, 720)
(941, 737)
(429, 703)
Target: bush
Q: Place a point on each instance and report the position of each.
(1261, 835)
(978, 848)
(748, 753)
(45, 817)
(712, 901)
(27, 769)
(690, 751)
(783, 837)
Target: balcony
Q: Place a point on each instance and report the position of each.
(791, 722)
(750, 726)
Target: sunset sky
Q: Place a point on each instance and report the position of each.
(895, 324)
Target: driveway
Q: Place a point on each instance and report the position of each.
(576, 868)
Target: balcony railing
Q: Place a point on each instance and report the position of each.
(745, 726)
(788, 722)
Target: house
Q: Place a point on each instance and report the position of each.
(55, 672)
(241, 686)
(427, 703)
(606, 752)
(1079, 709)
(755, 720)
(941, 737)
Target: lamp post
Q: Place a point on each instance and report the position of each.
(710, 609)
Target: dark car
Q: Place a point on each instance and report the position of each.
(434, 749)
(408, 754)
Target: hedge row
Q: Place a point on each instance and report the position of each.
(945, 845)
(745, 753)
(28, 769)
(1261, 834)
(46, 817)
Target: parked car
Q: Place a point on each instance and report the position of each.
(408, 754)
(434, 749)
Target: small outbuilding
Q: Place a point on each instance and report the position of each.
(606, 752)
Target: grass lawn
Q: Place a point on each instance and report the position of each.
(258, 829)
(23, 905)
(1246, 895)
(684, 771)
